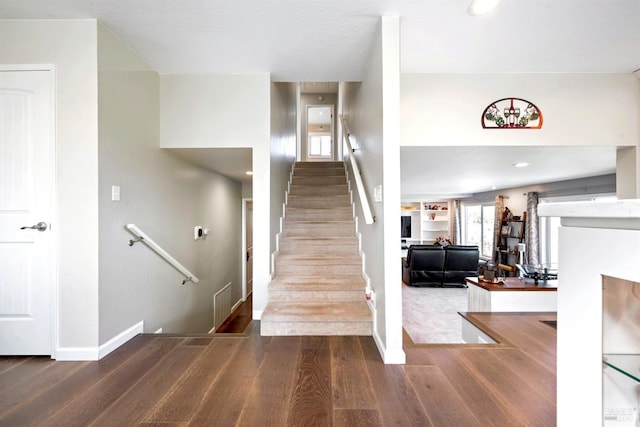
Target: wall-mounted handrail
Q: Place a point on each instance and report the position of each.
(362, 192)
(141, 237)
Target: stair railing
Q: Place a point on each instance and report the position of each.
(362, 193)
(142, 237)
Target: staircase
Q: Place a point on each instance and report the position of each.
(317, 287)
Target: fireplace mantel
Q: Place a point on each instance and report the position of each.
(596, 239)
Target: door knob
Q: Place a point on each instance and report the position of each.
(41, 226)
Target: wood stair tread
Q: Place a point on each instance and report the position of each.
(311, 312)
(318, 287)
(317, 283)
(328, 258)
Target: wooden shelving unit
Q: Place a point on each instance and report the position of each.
(511, 233)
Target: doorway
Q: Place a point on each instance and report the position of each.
(247, 248)
(320, 132)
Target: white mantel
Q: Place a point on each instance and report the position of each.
(596, 238)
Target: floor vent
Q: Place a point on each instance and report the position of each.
(221, 305)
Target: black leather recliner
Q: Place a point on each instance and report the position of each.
(424, 265)
(460, 262)
(434, 265)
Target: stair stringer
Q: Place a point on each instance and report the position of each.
(281, 223)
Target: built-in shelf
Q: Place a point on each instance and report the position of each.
(427, 224)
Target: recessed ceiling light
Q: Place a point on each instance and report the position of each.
(482, 7)
(521, 164)
(249, 172)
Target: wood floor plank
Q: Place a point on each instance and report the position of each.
(38, 382)
(394, 394)
(159, 424)
(536, 406)
(490, 409)
(35, 410)
(24, 371)
(350, 381)
(10, 362)
(223, 403)
(185, 397)
(269, 396)
(86, 407)
(311, 403)
(540, 375)
(357, 418)
(442, 403)
(132, 406)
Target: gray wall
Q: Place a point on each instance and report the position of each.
(373, 113)
(283, 149)
(166, 197)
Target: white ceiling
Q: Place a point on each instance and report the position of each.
(330, 41)
(231, 162)
(462, 171)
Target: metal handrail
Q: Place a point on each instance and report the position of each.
(141, 237)
(362, 193)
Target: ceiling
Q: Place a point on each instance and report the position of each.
(231, 162)
(319, 41)
(330, 40)
(492, 168)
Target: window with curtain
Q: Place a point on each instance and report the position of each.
(477, 227)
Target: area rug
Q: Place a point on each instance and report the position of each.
(430, 315)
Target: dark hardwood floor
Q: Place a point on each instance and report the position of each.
(249, 380)
(239, 319)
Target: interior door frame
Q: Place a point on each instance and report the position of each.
(53, 205)
(332, 132)
(243, 254)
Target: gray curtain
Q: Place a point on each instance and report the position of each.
(497, 224)
(532, 235)
(456, 225)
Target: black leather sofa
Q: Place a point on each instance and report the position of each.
(438, 266)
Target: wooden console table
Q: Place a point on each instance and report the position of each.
(513, 294)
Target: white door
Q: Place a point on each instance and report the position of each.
(26, 192)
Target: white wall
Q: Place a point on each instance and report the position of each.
(578, 109)
(70, 45)
(166, 197)
(283, 149)
(372, 112)
(199, 111)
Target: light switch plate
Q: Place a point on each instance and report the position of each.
(377, 194)
(115, 193)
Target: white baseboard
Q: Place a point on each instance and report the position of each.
(236, 305)
(394, 356)
(76, 354)
(257, 314)
(97, 353)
